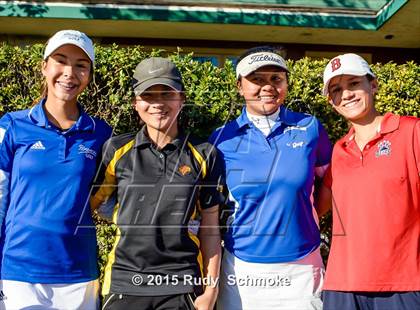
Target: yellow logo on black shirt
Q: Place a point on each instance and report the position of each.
(184, 169)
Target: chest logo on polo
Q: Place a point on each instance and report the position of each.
(295, 144)
(294, 128)
(184, 169)
(38, 146)
(384, 148)
(89, 153)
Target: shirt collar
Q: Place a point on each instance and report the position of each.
(143, 140)
(389, 123)
(38, 116)
(349, 137)
(284, 117)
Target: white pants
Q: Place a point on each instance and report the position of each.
(35, 296)
(253, 286)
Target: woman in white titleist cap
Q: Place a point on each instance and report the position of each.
(272, 156)
(47, 162)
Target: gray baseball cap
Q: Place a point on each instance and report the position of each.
(154, 71)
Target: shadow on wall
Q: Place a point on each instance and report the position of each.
(29, 10)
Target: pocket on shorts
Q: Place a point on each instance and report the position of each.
(319, 274)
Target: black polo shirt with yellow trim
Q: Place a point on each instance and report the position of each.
(159, 196)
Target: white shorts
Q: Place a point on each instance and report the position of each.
(35, 296)
(253, 286)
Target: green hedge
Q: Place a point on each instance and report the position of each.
(211, 93)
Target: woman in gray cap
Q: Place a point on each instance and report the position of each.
(167, 250)
(272, 156)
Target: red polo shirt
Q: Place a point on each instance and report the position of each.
(376, 210)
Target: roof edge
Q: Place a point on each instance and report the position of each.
(214, 15)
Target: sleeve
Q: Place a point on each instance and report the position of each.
(212, 185)
(213, 136)
(323, 152)
(103, 192)
(327, 180)
(6, 161)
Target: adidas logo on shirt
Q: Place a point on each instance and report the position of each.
(38, 146)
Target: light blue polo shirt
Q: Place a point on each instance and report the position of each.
(270, 181)
(46, 179)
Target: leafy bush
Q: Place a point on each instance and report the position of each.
(211, 94)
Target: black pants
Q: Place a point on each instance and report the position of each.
(130, 302)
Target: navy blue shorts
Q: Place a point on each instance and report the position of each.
(334, 300)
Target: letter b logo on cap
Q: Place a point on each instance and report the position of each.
(335, 64)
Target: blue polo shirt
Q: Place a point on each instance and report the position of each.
(46, 179)
(270, 182)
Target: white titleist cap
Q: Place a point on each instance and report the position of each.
(350, 64)
(257, 60)
(73, 37)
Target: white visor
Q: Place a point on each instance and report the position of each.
(257, 60)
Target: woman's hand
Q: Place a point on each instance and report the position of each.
(207, 300)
